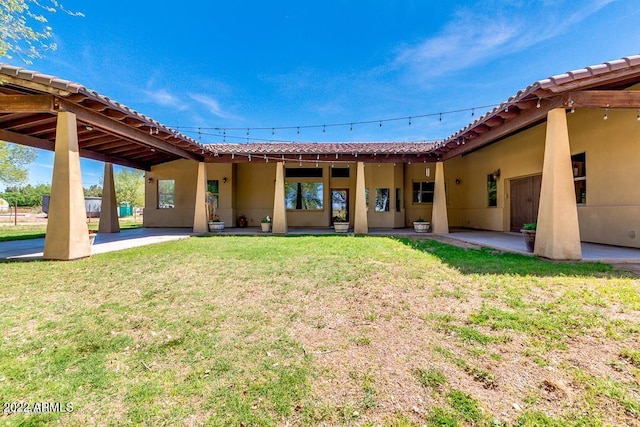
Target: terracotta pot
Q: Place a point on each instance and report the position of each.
(266, 227)
(529, 239)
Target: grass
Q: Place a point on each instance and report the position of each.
(10, 232)
(333, 330)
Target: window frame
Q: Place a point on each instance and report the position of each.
(387, 203)
(419, 200)
(299, 182)
(579, 172)
(492, 179)
(161, 195)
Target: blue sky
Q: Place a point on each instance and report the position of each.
(296, 63)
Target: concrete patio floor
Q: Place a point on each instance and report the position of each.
(510, 242)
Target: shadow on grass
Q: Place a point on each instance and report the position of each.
(493, 261)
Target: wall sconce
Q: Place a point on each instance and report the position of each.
(150, 180)
(496, 174)
(458, 182)
(224, 180)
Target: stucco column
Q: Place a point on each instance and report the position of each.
(558, 234)
(360, 224)
(439, 219)
(279, 208)
(109, 208)
(67, 233)
(200, 208)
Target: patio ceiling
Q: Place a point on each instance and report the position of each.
(107, 130)
(111, 132)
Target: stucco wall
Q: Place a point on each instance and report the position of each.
(184, 172)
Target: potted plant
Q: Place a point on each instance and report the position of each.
(421, 226)
(529, 233)
(215, 225)
(266, 224)
(340, 224)
(92, 237)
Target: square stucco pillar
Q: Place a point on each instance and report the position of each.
(200, 208)
(67, 235)
(558, 234)
(360, 223)
(439, 219)
(279, 208)
(109, 208)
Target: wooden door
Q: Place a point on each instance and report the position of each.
(525, 199)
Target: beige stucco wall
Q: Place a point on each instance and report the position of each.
(184, 172)
(611, 214)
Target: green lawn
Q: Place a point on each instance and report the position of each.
(35, 231)
(331, 330)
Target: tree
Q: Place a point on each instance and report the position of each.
(13, 162)
(27, 196)
(94, 191)
(129, 185)
(24, 31)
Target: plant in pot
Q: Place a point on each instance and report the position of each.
(215, 225)
(340, 224)
(266, 224)
(421, 226)
(529, 233)
(92, 237)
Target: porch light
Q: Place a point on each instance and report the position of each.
(496, 174)
(224, 180)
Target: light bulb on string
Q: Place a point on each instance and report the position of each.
(606, 114)
(440, 117)
(638, 117)
(473, 112)
(409, 121)
(351, 128)
(324, 129)
(538, 103)
(380, 123)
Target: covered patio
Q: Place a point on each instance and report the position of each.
(45, 112)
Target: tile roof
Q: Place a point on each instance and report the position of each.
(323, 148)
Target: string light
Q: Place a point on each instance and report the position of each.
(538, 103)
(606, 114)
(351, 124)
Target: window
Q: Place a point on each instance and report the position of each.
(166, 193)
(492, 190)
(382, 200)
(339, 172)
(304, 195)
(213, 199)
(398, 200)
(213, 193)
(366, 196)
(423, 191)
(579, 164)
(303, 173)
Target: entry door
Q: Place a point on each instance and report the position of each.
(340, 204)
(525, 199)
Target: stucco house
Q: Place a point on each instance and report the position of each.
(563, 152)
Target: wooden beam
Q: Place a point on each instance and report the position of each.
(26, 104)
(602, 99)
(8, 81)
(528, 118)
(125, 131)
(18, 138)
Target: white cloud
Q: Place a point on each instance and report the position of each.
(212, 105)
(165, 98)
(491, 30)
